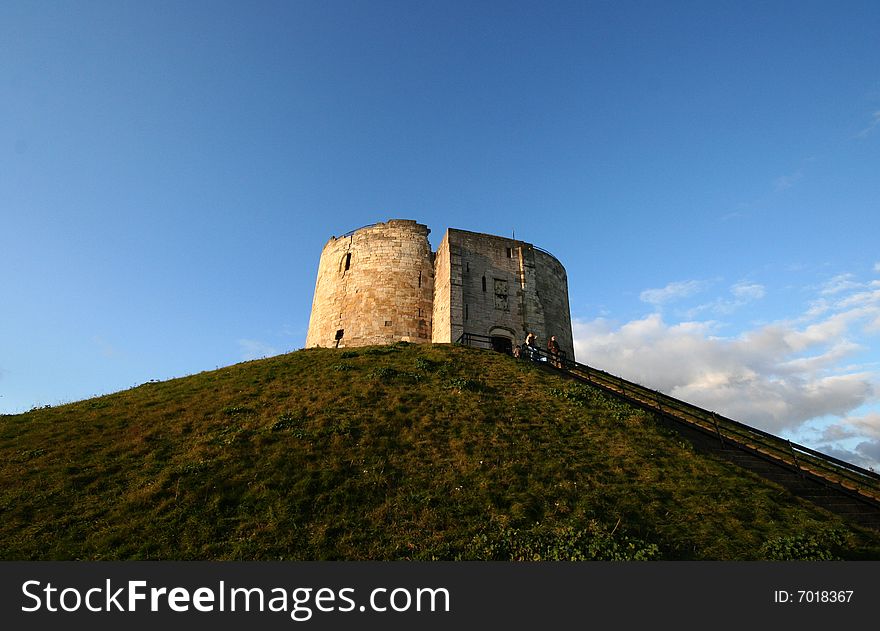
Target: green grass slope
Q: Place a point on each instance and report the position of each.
(398, 452)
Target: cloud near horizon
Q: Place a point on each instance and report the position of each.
(776, 376)
(673, 291)
(784, 182)
(875, 121)
(864, 430)
(741, 294)
(255, 349)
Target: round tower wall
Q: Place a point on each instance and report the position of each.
(374, 286)
(551, 288)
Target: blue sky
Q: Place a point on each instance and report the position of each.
(708, 173)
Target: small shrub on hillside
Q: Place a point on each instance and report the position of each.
(229, 435)
(426, 365)
(383, 373)
(462, 383)
(824, 545)
(342, 367)
(585, 396)
(237, 410)
(593, 543)
(29, 454)
(349, 354)
(194, 467)
(341, 427)
(388, 374)
(286, 421)
(448, 367)
(576, 393)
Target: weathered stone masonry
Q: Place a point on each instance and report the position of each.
(375, 286)
(381, 284)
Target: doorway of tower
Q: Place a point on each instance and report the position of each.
(502, 344)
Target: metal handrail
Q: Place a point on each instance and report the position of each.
(535, 247)
(467, 339)
(351, 232)
(732, 424)
(830, 469)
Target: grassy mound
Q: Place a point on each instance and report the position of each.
(396, 452)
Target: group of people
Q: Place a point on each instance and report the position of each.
(529, 350)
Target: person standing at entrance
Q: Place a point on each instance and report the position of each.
(531, 346)
(553, 347)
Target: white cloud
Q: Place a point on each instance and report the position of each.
(841, 282)
(672, 291)
(800, 375)
(864, 430)
(748, 291)
(743, 293)
(784, 182)
(106, 349)
(824, 332)
(875, 121)
(860, 299)
(817, 308)
(869, 451)
(775, 376)
(867, 425)
(736, 214)
(254, 349)
(831, 358)
(877, 267)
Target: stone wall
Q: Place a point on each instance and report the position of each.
(551, 293)
(374, 286)
(502, 287)
(485, 285)
(442, 328)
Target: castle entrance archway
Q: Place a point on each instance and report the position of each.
(502, 344)
(502, 339)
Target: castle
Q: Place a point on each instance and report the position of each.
(382, 283)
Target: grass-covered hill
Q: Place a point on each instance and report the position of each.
(396, 452)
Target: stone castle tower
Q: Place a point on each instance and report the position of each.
(382, 284)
